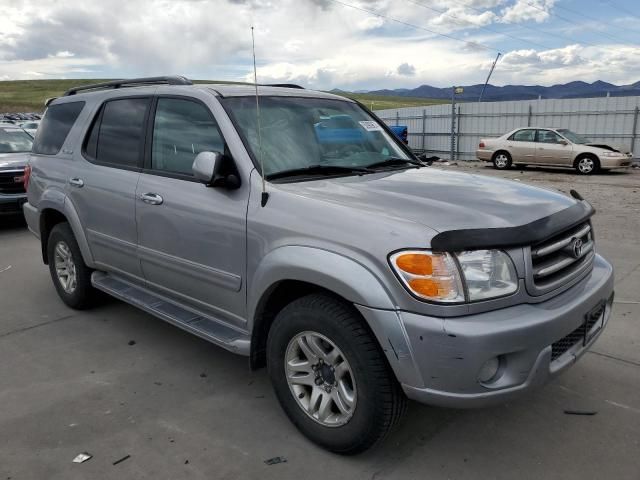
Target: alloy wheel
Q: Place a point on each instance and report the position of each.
(501, 161)
(586, 165)
(320, 379)
(65, 267)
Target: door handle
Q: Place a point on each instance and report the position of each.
(76, 182)
(151, 198)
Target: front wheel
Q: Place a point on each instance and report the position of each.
(502, 160)
(330, 375)
(587, 165)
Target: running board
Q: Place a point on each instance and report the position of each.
(197, 323)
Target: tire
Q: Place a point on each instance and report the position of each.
(64, 255)
(587, 165)
(361, 370)
(502, 160)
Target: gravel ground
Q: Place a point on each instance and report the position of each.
(114, 381)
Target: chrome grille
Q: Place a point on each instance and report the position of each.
(8, 183)
(562, 258)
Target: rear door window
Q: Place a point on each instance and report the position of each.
(182, 129)
(524, 136)
(117, 134)
(55, 127)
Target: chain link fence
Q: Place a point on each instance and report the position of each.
(611, 120)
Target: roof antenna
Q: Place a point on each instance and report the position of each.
(265, 194)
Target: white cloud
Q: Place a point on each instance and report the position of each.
(523, 10)
(370, 23)
(318, 43)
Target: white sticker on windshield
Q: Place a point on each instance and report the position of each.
(370, 126)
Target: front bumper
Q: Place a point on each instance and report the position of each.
(11, 204)
(621, 161)
(440, 359)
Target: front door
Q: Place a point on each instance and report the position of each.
(552, 149)
(191, 238)
(103, 183)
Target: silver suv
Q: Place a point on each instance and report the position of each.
(295, 228)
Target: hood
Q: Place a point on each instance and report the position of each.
(609, 148)
(438, 199)
(9, 161)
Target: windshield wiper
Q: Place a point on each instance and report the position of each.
(318, 170)
(392, 161)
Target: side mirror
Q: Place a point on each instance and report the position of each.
(214, 169)
(426, 160)
(563, 142)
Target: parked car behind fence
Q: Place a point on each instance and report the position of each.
(557, 147)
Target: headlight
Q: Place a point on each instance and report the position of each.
(481, 274)
(488, 274)
(611, 154)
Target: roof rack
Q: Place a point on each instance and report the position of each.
(284, 85)
(131, 82)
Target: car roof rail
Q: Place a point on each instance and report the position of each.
(130, 82)
(283, 85)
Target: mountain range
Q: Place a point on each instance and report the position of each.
(576, 89)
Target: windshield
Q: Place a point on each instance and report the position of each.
(14, 140)
(572, 137)
(298, 133)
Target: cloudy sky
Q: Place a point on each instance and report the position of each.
(348, 44)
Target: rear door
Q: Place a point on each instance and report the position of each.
(191, 238)
(522, 146)
(102, 185)
(553, 149)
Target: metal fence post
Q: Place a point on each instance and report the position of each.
(397, 118)
(458, 123)
(634, 131)
(453, 124)
(424, 128)
(529, 116)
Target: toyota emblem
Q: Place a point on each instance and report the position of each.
(576, 247)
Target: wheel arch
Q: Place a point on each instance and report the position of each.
(53, 213)
(289, 273)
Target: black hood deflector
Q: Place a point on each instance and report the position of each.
(529, 234)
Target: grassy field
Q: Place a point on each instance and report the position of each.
(30, 95)
(378, 102)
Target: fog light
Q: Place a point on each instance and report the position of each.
(489, 370)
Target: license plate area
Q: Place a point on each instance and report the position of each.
(594, 321)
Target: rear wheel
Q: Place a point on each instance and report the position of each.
(331, 376)
(70, 275)
(502, 160)
(587, 165)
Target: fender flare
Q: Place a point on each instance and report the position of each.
(58, 201)
(330, 270)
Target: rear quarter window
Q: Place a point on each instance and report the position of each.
(55, 127)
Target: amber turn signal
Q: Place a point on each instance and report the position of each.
(415, 263)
